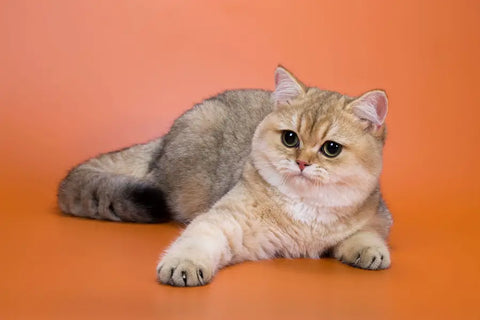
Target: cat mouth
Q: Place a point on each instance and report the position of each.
(303, 176)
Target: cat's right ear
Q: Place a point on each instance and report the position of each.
(287, 87)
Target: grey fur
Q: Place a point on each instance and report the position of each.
(105, 187)
(199, 160)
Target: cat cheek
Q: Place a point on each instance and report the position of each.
(355, 174)
(321, 174)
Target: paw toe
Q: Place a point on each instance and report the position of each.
(182, 273)
(372, 258)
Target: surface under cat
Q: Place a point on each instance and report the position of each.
(256, 175)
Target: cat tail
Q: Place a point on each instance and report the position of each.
(115, 186)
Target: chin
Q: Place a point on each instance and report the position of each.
(303, 184)
(306, 179)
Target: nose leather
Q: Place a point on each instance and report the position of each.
(302, 164)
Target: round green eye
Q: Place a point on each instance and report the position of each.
(290, 139)
(331, 149)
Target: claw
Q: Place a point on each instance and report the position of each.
(184, 277)
(170, 281)
(200, 276)
(357, 260)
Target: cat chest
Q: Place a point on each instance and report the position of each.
(310, 214)
(315, 229)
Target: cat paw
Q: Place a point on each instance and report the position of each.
(182, 272)
(372, 255)
(368, 258)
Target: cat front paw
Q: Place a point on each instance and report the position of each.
(373, 258)
(363, 251)
(183, 272)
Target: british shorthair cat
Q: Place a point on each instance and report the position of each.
(256, 175)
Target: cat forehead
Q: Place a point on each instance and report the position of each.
(321, 114)
(331, 127)
(325, 98)
(316, 103)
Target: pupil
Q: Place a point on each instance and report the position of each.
(290, 137)
(332, 147)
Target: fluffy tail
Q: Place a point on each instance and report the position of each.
(114, 186)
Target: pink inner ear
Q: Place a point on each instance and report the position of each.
(286, 87)
(381, 103)
(372, 106)
(282, 76)
(277, 78)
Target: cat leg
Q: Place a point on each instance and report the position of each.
(208, 243)
(364, 249)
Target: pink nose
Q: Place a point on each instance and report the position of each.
(302, 164)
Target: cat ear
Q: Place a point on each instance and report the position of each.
(371, 106)
(287, 87)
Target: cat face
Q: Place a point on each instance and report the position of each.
(317, 146)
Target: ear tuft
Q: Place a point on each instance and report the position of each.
(372, 106)
(287, 87)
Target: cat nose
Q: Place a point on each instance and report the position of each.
(302, 164)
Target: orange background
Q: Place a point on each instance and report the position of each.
(82, 77)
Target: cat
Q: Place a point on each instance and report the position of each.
(256, 175)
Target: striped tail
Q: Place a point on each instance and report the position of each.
(115, 186)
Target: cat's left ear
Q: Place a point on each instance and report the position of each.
(287, 87)
(372, 107)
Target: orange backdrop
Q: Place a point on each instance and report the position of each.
(82, 77)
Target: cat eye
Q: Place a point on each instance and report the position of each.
(331, 149)
(290, 139)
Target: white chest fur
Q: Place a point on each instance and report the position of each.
(309, 213)
(317, 227)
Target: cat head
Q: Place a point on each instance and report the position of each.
(321, 146)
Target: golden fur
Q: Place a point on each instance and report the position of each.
(276, 209)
